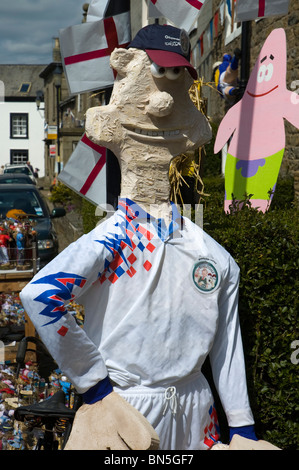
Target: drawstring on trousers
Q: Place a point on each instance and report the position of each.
(170, 400)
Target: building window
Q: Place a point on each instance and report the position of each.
(19, 126)
(25, 87)
(18, 156)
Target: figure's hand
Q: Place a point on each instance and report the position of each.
(111, 424)
(242, 443)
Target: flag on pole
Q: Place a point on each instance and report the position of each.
(85, 172)
(182, 14)
(252, 9)
(221, 10)
(86, 50)
(96, 10)
(99, 9)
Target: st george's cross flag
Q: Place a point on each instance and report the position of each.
(86, 49)
(182, 13)
(247, 10)
(85, 172)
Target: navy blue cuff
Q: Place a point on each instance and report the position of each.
(244, 431)
(98, 391)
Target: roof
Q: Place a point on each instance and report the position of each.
(21, 82)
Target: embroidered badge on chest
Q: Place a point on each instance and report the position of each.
(205, 276)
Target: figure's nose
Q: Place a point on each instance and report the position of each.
(160, 104)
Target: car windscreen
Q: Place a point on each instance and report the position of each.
(20, 180)
(27, 201)
(18, 169)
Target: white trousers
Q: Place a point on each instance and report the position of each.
(183, 414)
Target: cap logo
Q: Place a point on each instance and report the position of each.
(171, 41)
(185, 42)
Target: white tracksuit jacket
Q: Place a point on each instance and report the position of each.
(157, 301)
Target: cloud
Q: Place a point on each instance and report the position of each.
(28, 26)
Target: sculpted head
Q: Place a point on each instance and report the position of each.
(150, 111)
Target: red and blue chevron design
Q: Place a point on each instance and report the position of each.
(117, 243)
(55, 299)
(212, 430)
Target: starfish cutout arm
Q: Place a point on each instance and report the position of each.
(291, 108)
(227, 127)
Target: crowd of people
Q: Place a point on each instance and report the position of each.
(17, 235)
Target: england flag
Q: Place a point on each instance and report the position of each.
(85, 172)
(182, 14)
(252, 9)
(86, 48)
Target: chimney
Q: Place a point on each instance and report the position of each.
(56, 51)
(85, 8)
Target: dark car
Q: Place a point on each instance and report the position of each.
(21, 168)
(27, 198)
(15, 178)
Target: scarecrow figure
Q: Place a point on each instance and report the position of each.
(226, 76)
(149, 324)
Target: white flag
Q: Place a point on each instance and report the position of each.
(252, 9)
(182, 14)
(85, 172)
(86, 49)
(152, 11)
(96, 10)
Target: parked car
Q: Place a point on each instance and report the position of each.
(28, 199)
(19, 168)
(15, 178)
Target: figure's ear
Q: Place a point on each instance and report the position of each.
(120, 59)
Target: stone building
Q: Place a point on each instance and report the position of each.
(21, 122)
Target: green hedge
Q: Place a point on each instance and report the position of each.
(265, 247)
(62, 195)
(89, 219)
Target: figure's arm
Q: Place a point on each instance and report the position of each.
(227, 358)
(105, 420)
(227, 127)
(45, 298)
(291, 108)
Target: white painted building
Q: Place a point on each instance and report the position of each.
(21, 123)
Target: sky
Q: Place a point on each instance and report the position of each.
(27, 28)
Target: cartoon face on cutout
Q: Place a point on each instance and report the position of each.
(150, 109)
(269, 73)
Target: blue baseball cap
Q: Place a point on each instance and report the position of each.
(165, 45)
